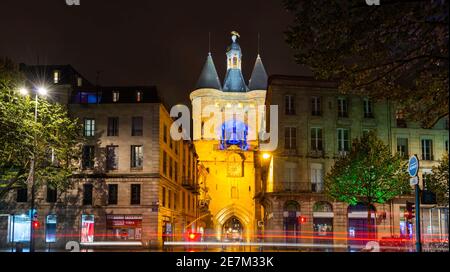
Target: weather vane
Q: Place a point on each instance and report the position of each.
(234, 35)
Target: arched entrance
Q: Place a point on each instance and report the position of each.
(291, 226)
(360, 230)
(233, 230)
(323, 223)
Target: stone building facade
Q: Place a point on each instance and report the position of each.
(316, 125)
(134, 182)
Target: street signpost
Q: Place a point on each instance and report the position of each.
(413, 169)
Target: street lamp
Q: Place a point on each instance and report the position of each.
(266, 156)
(43, 92)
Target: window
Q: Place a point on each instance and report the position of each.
(400, 119)
(427, 149)
(112, 157)
(316, 177)
(88, 157)
(169, 199)
(175, 171)
(189, 201)
(170, 167)
(115, 96)
(137, 156)
(315, 106)
(175, 200)
(89, 97)
(163, 196)
(165, 134)
(135, 194)
(87, 194)
(136, 126)
(290, 172)
(113, 126)
(316, 139)
(56, 76)
(22, 195)
(113, 191)
(89, 127)
(446, 145)
(368, 108)
(51, 194)
(343, 139)
(425, 176)
(402, 147)
(164, 164)
(183, 200)
(79, 81)
(290, 138)
(289, 104)
(138, 96)
(342, 107)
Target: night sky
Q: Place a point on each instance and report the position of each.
(143, 42)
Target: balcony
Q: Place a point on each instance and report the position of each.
(316, 153)
(290, 151)
(190, 185)
(292, 187)
(317, 187)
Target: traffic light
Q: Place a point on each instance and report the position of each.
(36, 224)
(193, 236)
(301, 219)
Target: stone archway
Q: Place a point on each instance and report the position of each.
(240, 213)
(232, 230)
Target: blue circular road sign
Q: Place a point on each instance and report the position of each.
(413, 166)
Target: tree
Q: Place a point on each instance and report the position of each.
(58, 137)
(369, 173)
(397, 50)
(437, 181)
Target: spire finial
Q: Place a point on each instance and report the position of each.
(209, 43)
(259, 38)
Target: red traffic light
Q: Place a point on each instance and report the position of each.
(193, 236)
(301, 219)
(36, 224)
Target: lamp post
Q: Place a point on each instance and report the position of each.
(40, 91)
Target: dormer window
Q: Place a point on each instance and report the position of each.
(115, 96)
(138, 96)
(56, 76)
(79, 81)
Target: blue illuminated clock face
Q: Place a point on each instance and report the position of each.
(234, 132)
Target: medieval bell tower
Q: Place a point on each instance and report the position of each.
(226, 124)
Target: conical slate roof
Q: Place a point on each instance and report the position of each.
(258, 80)
(234, 81)
(209, 77)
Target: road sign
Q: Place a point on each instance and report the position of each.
(413, 181)
(413, 166)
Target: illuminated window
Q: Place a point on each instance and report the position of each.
(89, 127)
(115, 96)
(316, 139)
(316, 177)
(343, 139)
(234, 62)
(56, 76)
(79, 81)
(137, 156)
(138, 96)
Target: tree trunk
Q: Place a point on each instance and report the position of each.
(369, 221)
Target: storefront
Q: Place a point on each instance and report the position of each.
(87, 228)
(19, 228)
(360, 230)
(124, 227)
(323, 224)
(50, 228)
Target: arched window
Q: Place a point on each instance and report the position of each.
(235, 62)
(291, 206)
(322, 206)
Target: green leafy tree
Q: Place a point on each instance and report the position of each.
(437, 181)
(55, 139)
(369, 173)
(397, 50)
